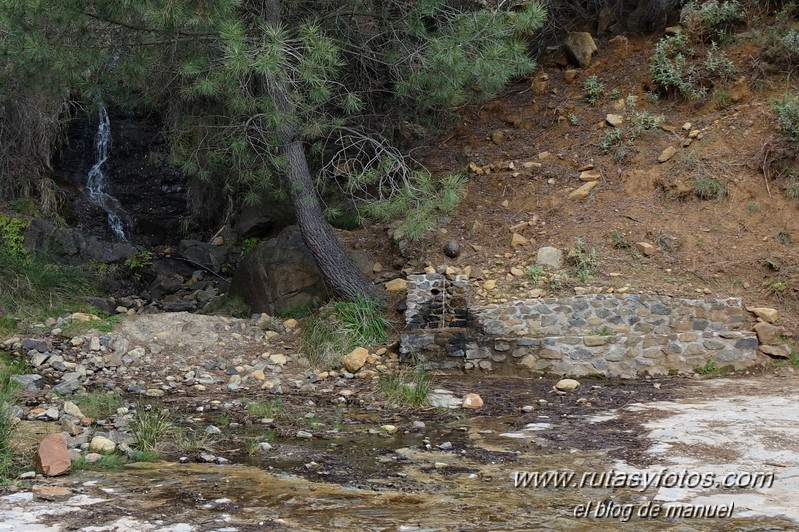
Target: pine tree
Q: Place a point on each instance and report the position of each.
(258, 88)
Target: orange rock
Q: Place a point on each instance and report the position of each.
(52, 456)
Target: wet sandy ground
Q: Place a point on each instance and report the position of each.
(365, 482)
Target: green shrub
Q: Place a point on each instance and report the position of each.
(792, 191)
(152, 429)
(710, 188)
(787, 110)
(248, 244)
(594, 89)
(671, 69)
(712, 19)
(139, 261)
(718, 65)
(584, 260)
(12, 238)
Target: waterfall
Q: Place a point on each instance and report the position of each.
(97, 181)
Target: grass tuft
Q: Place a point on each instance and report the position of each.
(407, 388)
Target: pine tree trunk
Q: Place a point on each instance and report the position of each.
(336, 266)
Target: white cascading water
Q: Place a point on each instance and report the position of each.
(97, 181)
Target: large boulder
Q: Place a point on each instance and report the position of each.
(52, 457)
(280, 274)
(580, 47)
(70, 245)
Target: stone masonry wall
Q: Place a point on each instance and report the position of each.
(615, 335)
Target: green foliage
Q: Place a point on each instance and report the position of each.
(710, 188)
(584, 260)
(604, 331)
(718, 65)
(792, 191)
(535, 273)
(613, 138)
(36, 288)
(712, 19)
(108, 462)
(9, 457)
(265, 409)
(618, 240)
(672, 70)
(406, 388)
(139, 261)
(152, 428)
(12, 238)
(248, 244)
(419, 203)
(594, 89)
(787, 110)
(710, 369)
(793, 358)
(723, 99)
(98, 405)
(775, 286)
(342, 326)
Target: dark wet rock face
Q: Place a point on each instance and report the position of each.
(151, 192)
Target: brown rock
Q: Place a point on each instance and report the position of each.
(767, 333)
(614, 120)
(52, 456)
(51, 493)
(775, 351)
(764, 313)
(667, 154)
(580, 47)
(590, 175)
(645, 248)
(472, 401)
(396, 285)
(518, 241)
(355, 360)
(583, 191)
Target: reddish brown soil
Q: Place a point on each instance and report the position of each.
(741, 246)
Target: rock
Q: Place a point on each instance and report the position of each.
(764, 313)
(203, 253)
(30, 382)
(567, 385)
(102, 445)
(83, 317)
(280, 274)
(645, 248)
(278, 359)
(290, 324)
(569, 75)
(517, 241)
(472, 401)
(667, 154)
(580, 47)
(211, 429)
(614, 120)
(396, 285)
(52, 456)
(51, 493)
(304, 434)
(355, 360)
(767, 333)
(595, 340)
(775, 351)
(452, 249)
(389, 429)
(165, 284)
(583, 191)
(516, 272)
(549, 256)
(490, 284)
(590, 175)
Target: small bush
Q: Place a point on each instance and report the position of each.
(712, 19)
(265, 409)
(584, 260)
(709, 188)
(594, 89)
(618, 241)
(710, 369)
(792, 191)
(672, 69)
(612, 139)
(535, 273)
(787, 110)
(718, 65)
